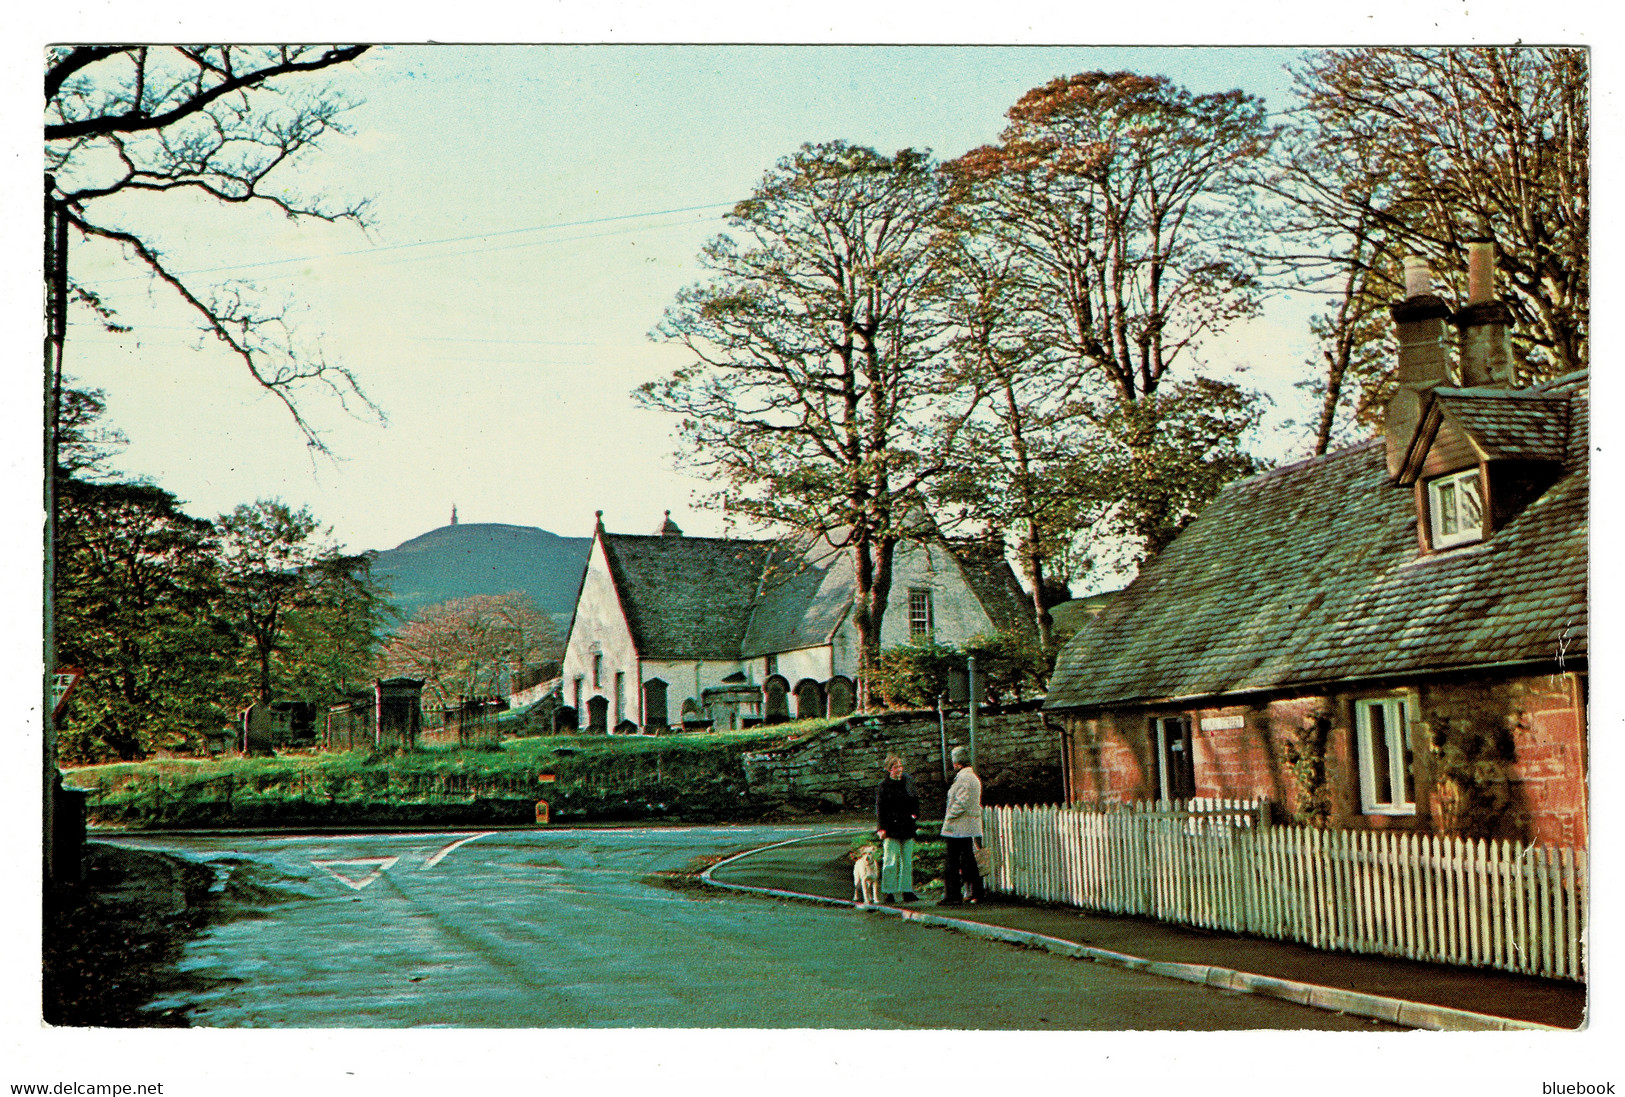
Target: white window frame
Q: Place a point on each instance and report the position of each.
(1396, 723)
(1437, 487)
(915, 632)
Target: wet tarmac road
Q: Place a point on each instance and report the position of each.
(564, 928)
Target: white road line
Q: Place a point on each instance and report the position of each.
(380, 865)
(442, 854)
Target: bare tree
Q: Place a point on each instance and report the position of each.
(1400, 151)
(211, 121)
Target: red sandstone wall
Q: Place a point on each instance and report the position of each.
(1111, 756)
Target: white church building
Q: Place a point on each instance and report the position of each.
(674, 631)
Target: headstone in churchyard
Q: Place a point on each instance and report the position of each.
(258, 726)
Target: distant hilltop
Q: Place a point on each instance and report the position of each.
(469, 558)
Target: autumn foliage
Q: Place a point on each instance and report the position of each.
(464, 647)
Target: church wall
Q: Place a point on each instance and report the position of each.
(811, 663)
(687, 679)
(600, 630)
(956, 613)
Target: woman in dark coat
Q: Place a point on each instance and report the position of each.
(897, 810)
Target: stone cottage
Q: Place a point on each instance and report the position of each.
(1389, 636)
(671, 630)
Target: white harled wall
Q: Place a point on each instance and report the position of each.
(600, 628)
(689, 678)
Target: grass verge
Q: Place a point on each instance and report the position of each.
(696, 777)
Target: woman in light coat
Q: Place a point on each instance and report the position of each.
(962, 826)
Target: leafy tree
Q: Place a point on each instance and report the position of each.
(280, 570)
(1122, 197)
(1115, 209)
(1162, 459)
(138, 596)
(1415, 151)
(85, 444)
(1020, 447)
(332, 638)
(816, 400)
(463, 647)
(127, 125)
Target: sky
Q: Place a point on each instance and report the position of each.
(533, 212)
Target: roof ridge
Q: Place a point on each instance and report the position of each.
(686, 537)
(1280, 470)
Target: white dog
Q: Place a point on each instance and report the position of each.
(866, 877)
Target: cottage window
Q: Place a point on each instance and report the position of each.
(772, 666)
(1456, 509)
(1387, 786)
(578, 694)
(920, 623)
(597, 670)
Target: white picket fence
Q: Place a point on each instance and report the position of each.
(1211, 863)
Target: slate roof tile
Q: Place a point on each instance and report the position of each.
(1311, 573)
(731, 598)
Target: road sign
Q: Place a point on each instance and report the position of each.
(62, 683)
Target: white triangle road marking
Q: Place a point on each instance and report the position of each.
(380, 865)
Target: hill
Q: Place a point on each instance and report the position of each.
(460, 560)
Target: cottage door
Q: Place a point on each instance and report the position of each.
(1176, 762)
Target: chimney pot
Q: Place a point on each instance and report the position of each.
(1418, 276)
(1480, 271)
(1485, 321)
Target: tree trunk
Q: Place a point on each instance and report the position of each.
(1035, 572)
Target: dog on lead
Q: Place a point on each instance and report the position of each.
(866, 876)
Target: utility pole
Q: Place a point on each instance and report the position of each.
(970, 683)
(56, 330)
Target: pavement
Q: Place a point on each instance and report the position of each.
(1418, 995)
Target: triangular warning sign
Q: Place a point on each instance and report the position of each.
(378, 865)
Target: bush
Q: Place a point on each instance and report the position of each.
(1008, 667)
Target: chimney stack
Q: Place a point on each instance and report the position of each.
(1485, 322)
(1424, 357)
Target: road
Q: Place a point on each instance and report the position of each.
(569, 928)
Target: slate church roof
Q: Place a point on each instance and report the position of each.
(686, 597)
(727, 598)
(1311, 574)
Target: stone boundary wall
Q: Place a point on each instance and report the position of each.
(1018, 755)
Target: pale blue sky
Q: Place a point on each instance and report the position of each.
(536, 208)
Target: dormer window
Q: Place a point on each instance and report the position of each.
(1456, 508)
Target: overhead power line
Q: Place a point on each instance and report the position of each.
(445, 240)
